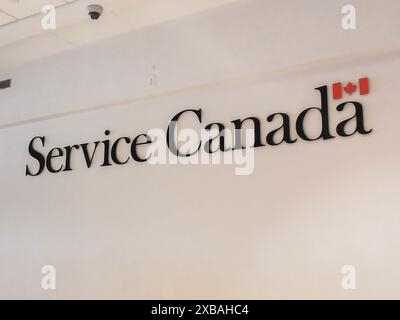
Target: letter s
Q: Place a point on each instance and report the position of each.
(37, 155)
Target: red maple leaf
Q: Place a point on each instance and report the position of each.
(350, 88)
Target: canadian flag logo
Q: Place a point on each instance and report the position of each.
(350, 88)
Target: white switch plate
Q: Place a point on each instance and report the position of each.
(152, 81)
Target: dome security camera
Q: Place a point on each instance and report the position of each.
(95, 11)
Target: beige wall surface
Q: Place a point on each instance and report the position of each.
(200, 231)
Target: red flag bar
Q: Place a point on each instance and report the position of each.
(337, 90)
(363, 85)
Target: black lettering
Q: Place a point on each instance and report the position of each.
(325, 134)
(114, 153)
(51, 156)
(88, 158)
(221, 135)
(238, 132)
(285, 127)
(68, 151)
(171, 131)
(36, 155)
(106, 143)
(358, 116)
(135, 144)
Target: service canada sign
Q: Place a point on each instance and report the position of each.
(216, 138)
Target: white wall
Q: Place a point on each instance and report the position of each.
(141, 231)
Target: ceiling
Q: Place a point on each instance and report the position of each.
(22, 37)
(14, 10)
